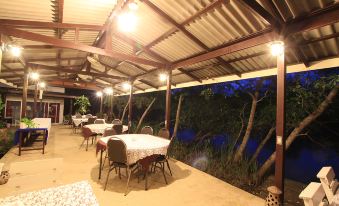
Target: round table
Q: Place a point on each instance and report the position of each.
(139, 146)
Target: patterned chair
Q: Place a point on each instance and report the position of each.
(87, 134)
(147, 130)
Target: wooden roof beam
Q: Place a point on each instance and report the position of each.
(73, 71)
(48, 25)
(68, 44)
(250, 42)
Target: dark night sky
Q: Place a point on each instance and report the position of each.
(95, 102)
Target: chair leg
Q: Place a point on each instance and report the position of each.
(82, 143)
(109, 170)
(163, 172)
(169, 167)
(146, 182)
(128, 178)
(119, 173)
(87, 145)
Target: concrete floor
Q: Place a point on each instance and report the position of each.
(188, 186)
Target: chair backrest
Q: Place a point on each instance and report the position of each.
(116, 150)
(313, 194)
(117, 128)
(147, 130)
(109, 132)
(86, 132)
(91, 120)
(328, 182)
(89, 115)
(78, 116)
(164, 133)
(116, 121)
(99, 121)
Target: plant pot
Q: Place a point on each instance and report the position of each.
(3, 134)
(23, 125)
(8, 125)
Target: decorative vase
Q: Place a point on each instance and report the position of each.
(23, 125)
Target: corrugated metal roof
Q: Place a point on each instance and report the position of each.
(228, 21)
(26, 10)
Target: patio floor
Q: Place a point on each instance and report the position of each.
(188, 186)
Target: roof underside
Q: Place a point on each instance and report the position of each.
(168, 32)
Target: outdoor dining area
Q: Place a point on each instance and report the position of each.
(116, 54)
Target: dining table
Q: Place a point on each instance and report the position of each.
(139, 147)
(100, 128)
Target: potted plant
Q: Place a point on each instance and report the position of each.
(26, 123)
(82, 103)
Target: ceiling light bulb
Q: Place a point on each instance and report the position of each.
(277, 48)
(126, 86)
(108, 90)
(163, 77)
(42, 84)
(99, 94)
(16, 51)
(34, 76)
(133, 6)
(127, 22)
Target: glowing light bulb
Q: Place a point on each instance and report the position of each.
(42, 85)
(34, 76)
(16, 51)
(127, 22)
(108, 91)
(126, 86)
(277, 48)
(99, 94)
(162, 77)
(133, 6)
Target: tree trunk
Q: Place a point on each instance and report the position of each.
(143, 116)
(302, 125)
(177, 118)
(239, 153)
(261, 145)
(124, 112)
(241, 116)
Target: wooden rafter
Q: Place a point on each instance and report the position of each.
(74, 71)
(68, 44)
(251, 42)
(48, 25)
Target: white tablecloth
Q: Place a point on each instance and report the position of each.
(141, 145)
(78, 121)
(100, 128)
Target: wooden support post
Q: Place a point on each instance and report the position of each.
(71, 107)
(111, 107)
(101, 104)
(35, 100)
(168, 101)
(41, 109)
(24, 94)
(130, 106)
(280, 125)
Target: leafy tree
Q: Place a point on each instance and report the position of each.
(82, 103)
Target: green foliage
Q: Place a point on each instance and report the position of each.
(82, 103)
(2, 105)
(28, 122)
(2, 124)
(6, 144)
